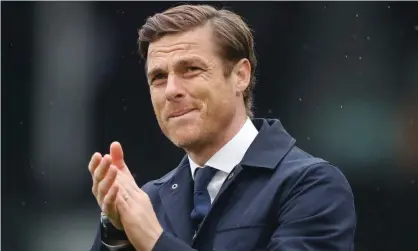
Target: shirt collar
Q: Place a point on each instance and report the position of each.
(232, 153)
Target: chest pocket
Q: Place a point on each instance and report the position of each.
(241, 238)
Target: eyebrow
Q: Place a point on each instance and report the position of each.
(188, 60)
(183, 61)
(155, 71)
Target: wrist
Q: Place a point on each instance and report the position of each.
(109, 233)
(148, 240)
(154, 237)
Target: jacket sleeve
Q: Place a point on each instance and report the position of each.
(168, 242)
(318, 214)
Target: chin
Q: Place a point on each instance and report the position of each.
(185, 137)
(184, 144)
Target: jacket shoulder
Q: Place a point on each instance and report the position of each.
(299, 165)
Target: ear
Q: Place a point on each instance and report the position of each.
(242, 71)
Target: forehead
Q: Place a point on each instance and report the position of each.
(196, 43)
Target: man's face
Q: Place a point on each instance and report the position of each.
(192, 99)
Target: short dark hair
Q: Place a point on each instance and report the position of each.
(232, 34)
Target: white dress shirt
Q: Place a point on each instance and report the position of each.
(228, 157)
(223, 160)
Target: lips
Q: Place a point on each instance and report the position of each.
(179, 113)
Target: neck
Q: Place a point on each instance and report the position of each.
(202, 154)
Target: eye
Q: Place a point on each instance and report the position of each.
(157, 78)
(192, 71)
(193, 68)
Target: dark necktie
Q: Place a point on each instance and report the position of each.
(201, 195)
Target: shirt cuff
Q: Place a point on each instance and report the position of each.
(116, 247)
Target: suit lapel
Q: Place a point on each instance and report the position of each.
(176, 197)
(229, 180)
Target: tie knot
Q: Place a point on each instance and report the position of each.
(202, 177)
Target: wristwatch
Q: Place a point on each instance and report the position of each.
(110, 233)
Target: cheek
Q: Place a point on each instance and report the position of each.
(157, 103)
(222, 94)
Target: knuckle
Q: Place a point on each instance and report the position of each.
(106, 202)
(94, 189)
(100, 171)
(97, 174)
(99, 201)
(102, 188)
(97, 170)
(91, 170)
(92, 164)
(94, 175)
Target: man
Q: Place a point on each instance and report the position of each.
(243, 184)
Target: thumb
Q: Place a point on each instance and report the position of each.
(118, 160)
(117, 155)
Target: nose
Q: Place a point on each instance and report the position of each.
(174, 90)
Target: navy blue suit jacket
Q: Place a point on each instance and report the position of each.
(278, 198)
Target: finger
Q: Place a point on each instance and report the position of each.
(118, 159)
(128, 184)
(108, 206)
(123, 206)
(100, 172)
(106, 183)
(117, 154)
(94, 162)
(132, 194)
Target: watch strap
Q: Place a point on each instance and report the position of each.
(110, 233)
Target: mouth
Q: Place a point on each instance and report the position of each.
(180, 113)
